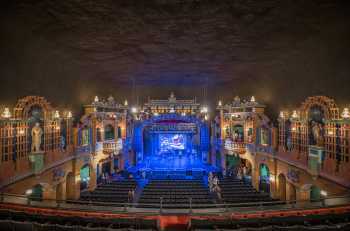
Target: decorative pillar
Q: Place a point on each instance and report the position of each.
(93, 178)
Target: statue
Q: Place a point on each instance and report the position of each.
(316, 129)
(37, 132)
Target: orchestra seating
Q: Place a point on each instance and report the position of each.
(236, 191)
(175, 194)
(113, 192)
(20, 221)
(303, 222)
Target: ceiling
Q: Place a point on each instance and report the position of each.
(280, 51)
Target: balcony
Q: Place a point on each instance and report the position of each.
(112, 147)
(232, 146)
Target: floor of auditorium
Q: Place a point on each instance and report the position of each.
(176, 193)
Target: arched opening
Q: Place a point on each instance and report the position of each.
(119, 132)
(288, 145)
(109, 132)
(315, 193)
(238, 133)
(316, 125)
(37, 193)
(245, 170)
(84, 177)
(106, 167)
(264, 179)
(232, 162)
(265, 136)
(98, 135)
(59, 192)
(85, 136)
(282, 184)
(36, 116)
(70, 184)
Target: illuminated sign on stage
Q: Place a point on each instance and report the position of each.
(169, 142)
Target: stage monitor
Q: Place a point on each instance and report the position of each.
(170, 142)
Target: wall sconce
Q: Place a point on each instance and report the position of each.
(69, 115)
(29, 192)
(345, 114)
(295, 115)
(204, 109)
(282, 114)
(252, 99)
(96, 99)
(125, 103)
(219, 103)
(6, 113)
(133, 110)
(56, 115)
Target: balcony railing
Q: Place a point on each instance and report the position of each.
(331, 202)
(235, 146)
(112, 146)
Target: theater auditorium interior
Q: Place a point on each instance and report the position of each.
(174, 115)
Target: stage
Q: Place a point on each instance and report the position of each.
(172, 145)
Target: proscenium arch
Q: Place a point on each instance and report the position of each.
(140, 125)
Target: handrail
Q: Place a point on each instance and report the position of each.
(188, 208)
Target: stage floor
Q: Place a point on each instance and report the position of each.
(173, 162)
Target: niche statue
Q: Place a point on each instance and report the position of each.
(37, 133)
(317, 133)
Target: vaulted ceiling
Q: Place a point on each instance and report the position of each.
(280, 51)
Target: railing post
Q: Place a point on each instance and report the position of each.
(190, 205)
(161, 205)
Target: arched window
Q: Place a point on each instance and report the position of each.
(85, 136)
(98, 135)
(238, 133)
(109, 132)
(264, 184)
(84, 177)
